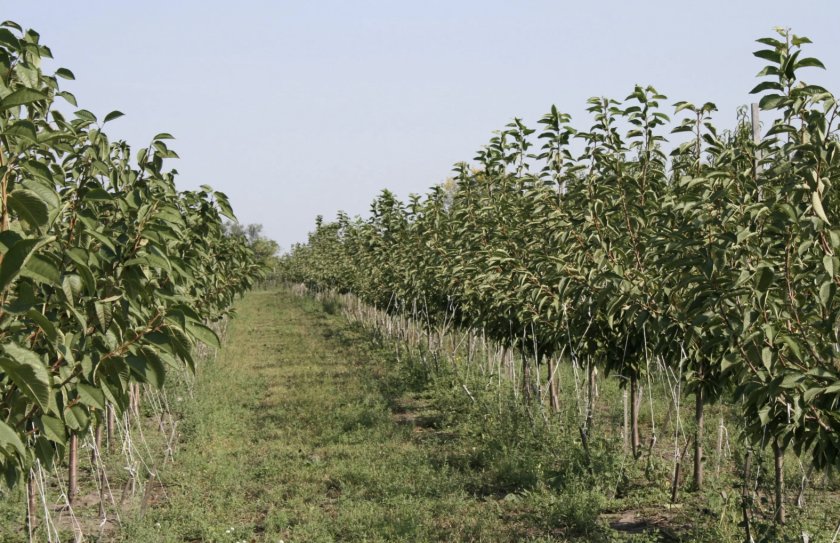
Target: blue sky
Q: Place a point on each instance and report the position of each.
(302, 108)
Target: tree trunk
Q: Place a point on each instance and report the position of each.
(95, 459)
(110, 424)
(73, 469)
(779, 457)
(698, 439)
(526, 381)
(97, 440)
(634, 415)
(590, 396)
(147, 494)
(719, 450)
(584, 441)
(31, 518)
(677, 478)
(554, 396)
(626, 428)
(745, 508)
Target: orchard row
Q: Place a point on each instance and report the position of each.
(606, 246)
(108, 274)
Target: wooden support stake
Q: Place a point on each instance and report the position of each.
(73, 469)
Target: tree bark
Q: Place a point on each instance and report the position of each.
(110, 424)
(526, 381)
(554, 396)
(95, 459)
(97, 440)
(779, 458)
(73, 469)
(626, 428)
(677, 478)
(745, 509)
(634, 415)
(698, 439)
(31, 504)
(590, 397)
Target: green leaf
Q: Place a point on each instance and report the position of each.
(766, 85)
(8, 39)
(150, 260)
(91, 396)
(812, 393)
(29, 207)
(23, 129)
(68, 96)
(771, 101)
(147, 369)
(767, 54)
(224, 205)
(80, 260)
(826, 290)
(38, 171)
(790, 380)
(203, 334)
(828, 264)
(42, 269)
(9, 437)
(833, 389)
(101, 238)
(816, 202)
(765, 279)
(44, 323)
(772, 42)
(24, 300)
(86, 115)
(72, 287)
(80, 318)
(103, 315)
(53, 429)
(45, 190)
(792, 345)
(76, 418)
(113, 115)
(64, 73)
(764, 415)
(98, 194)
(767, 357)
(46, 451)
(29, 373)
(21, 97)
(15, 258)
(809, 62)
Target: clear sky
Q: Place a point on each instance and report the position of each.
(302, 108)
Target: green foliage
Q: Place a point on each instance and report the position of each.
(108, 274)
(719, 257)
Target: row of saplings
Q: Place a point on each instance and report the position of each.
(719, 258)
(108, 274)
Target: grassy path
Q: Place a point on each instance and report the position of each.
(292, 437)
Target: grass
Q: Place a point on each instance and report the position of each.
(309, 428)
(304, 430)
